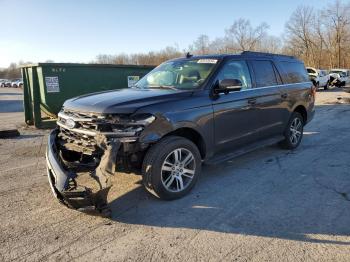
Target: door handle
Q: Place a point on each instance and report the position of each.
(252, 101)
(284, 96)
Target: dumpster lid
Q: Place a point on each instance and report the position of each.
(86, 65)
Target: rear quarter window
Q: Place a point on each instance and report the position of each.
(295, 72)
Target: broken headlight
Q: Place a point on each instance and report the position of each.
(131, 125)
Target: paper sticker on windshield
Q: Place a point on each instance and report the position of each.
(207, 61)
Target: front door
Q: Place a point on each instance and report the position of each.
(235, 121)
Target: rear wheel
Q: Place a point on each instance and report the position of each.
(171, 167)
(294, 132)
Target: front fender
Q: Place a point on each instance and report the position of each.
(198, 119)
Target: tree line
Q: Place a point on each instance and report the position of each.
(12, 72)
(319, 37)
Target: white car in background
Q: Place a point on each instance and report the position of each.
(16, 83)
(339, 77)
(320, 77)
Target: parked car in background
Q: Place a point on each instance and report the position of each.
(319, 77)
(339, 77)
(184, 112)
(2, 82)
(6, 83)
(16, 83)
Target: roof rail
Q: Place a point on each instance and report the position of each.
(265, 54)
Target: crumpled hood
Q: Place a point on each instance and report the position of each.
(123, 100)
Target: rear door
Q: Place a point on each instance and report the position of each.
(297, 87)
(269, 113)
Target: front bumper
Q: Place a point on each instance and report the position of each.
(60, 179)
(63, 181)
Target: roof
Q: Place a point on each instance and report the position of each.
(241, 54)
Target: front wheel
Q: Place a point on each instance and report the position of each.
(294, 131)
(171, 167)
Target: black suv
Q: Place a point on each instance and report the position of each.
(185, 112)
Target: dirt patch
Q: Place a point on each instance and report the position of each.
(29, 151)
(343, 100)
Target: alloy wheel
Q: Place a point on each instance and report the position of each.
(178, 170)
(296, 129)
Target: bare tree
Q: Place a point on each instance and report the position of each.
(12, 72)
(337, 20)
(321, 38)
(201, 45)
(299, 31)
(243, 36)
(150, 58)
(218, 46)
(270, 44)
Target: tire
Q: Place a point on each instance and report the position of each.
(292, 138)
(162, 177)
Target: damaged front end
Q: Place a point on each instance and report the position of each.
(90, 146)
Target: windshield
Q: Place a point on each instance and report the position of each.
(180, 74)
(309, 70)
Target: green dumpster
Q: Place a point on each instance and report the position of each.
(47, 85)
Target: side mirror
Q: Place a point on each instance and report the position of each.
(229, 85)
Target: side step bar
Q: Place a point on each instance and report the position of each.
(244, 150)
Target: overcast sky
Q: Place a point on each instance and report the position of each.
(77, 31)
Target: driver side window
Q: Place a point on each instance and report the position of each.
(236, 69)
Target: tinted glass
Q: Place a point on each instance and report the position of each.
(309, 70)
(264, 73)
(236, 69)
(295, 72)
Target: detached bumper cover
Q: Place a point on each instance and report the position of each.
(59, 178)
(63, 184)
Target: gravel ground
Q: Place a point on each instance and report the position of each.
(268, 205)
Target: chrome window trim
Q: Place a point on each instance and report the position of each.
(264, 87)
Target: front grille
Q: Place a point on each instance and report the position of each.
(76, 138)
(88, 123)
(81, 128)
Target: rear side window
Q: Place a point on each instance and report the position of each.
(295, 72)
(264, 73)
